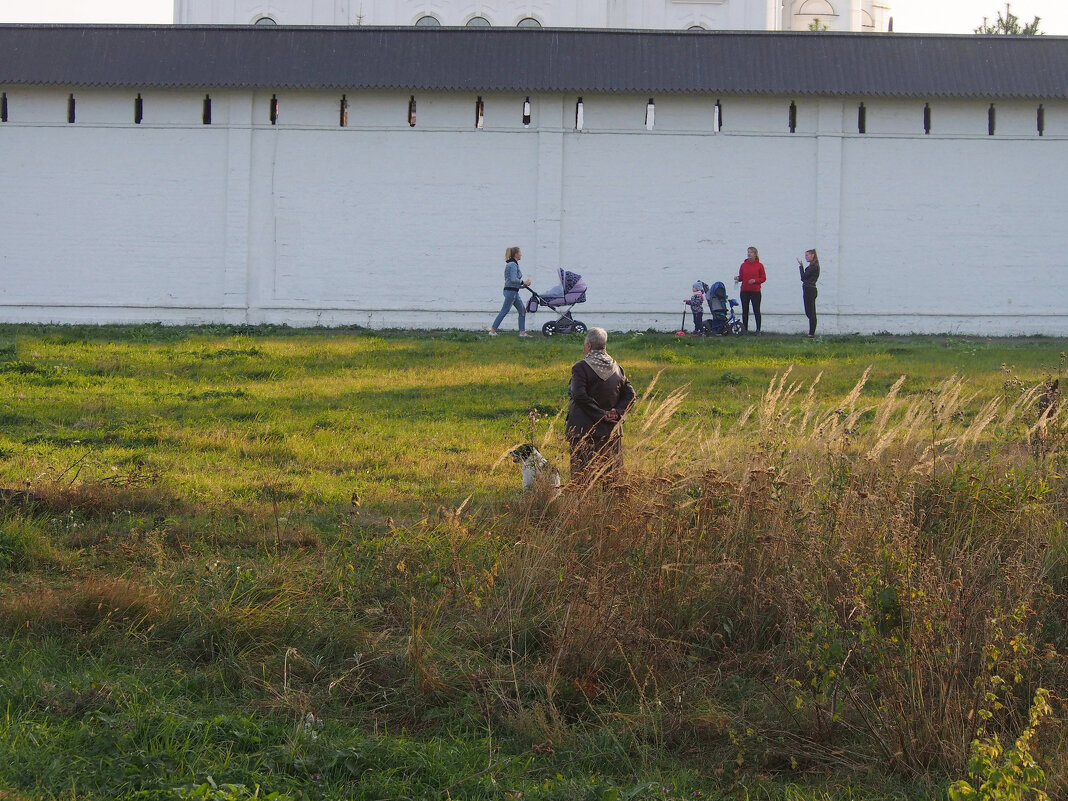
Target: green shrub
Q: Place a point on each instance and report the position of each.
(1006, 775)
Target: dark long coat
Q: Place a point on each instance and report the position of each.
(588, 432)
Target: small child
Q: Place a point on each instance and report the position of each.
(697, 306)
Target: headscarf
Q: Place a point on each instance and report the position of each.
(603, 364)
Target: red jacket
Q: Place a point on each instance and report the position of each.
(751, 269)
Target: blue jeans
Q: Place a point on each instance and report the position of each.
(511, 298)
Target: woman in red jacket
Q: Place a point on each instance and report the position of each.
(751, 275)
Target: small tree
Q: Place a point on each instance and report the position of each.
(1009, 25)
(817, 25)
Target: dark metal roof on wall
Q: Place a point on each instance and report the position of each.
(535, 60)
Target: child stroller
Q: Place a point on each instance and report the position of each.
(722, 308)
(561, 298)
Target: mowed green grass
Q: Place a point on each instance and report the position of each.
(226, 521)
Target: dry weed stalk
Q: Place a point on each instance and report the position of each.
(878, 567)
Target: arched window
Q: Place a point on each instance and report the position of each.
(478, 22)
(817, 7)
(696, 28)
(866, 20)
(428, 21)
(265, 21)
(528, 22)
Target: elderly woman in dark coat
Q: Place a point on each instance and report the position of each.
(601, 395)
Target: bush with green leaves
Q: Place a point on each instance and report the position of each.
(1000, 774)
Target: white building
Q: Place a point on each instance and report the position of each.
(374, 176)
(766, 15)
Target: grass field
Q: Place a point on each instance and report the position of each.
(297, 561)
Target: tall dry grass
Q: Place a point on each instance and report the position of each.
(873, 581)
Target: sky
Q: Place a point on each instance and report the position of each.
(910, 16)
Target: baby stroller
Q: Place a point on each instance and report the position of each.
(561, 298)
(722, 308)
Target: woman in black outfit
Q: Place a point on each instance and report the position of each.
(810, 274)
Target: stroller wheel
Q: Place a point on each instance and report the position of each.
(736, 327)
(578, 328)
(549, 329)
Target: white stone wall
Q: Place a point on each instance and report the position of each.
(283, 12)
(838, 15)
(384, 224)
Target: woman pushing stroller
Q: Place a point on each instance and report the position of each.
(513, 282)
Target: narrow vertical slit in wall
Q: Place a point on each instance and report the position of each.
(3, 107)
(206, 119)
(274, 109)
(650, 115)
(344, 120)
(862, 119)
(480, 114)
(1041, 121)
(411, 111)
(793, 117)
(927, 118)
(579, 115)
(139, 109)
(70, 108)
(717, 117)
(991, 120)
(526, 113)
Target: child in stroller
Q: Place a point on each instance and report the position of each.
(723, 320)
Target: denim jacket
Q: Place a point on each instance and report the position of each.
(513, 278)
